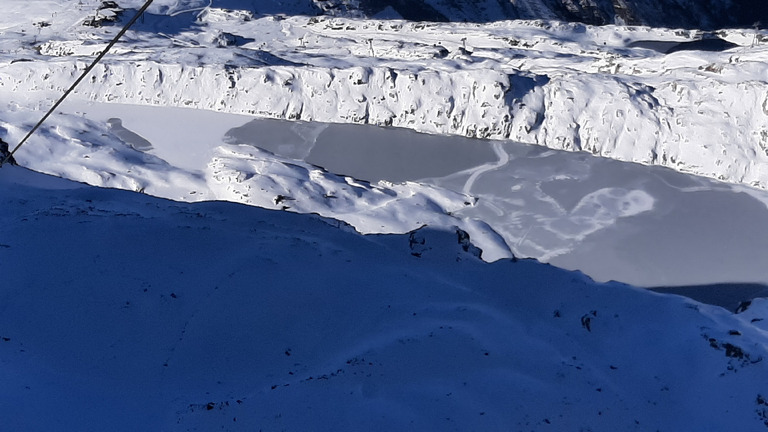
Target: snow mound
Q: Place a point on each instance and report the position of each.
(252, 176)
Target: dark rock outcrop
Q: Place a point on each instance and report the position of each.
(699, 14)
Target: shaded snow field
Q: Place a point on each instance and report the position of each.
(648, 226)
(126, 312)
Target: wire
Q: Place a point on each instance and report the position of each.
(84, 74)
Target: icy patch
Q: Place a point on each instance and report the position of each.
(609, 219)
(608, 204)
(370, 153)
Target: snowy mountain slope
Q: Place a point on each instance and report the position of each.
(610, 219)
(121, 311)
(565, 86)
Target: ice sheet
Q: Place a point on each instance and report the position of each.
(649, 226)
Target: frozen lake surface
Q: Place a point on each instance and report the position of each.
(648, 226)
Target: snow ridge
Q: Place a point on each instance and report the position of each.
(566, 86)
(711, 126)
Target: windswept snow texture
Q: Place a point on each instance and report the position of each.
(124, 312)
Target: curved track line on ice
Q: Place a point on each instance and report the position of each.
(612, 220)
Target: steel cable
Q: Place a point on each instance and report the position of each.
(82, 76)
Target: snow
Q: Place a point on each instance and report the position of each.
(121, 311)
(566, 86)
(199, 261)
(188, 83)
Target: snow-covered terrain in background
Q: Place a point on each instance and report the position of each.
(565, 86)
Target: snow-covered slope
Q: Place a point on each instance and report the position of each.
(120, 311)
(610, 91)
(565, 86)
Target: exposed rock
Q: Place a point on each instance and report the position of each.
(706, 14)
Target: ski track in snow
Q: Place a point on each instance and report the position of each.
(503, 156)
